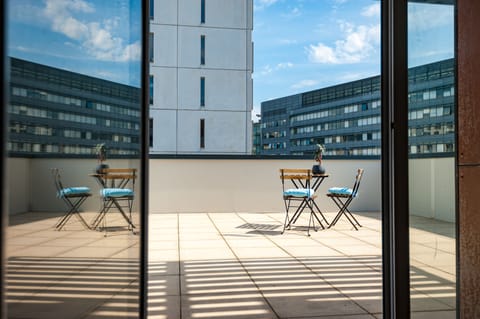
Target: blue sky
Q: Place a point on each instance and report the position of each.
(309, 44)
(300, 45)
(303, 45)
(95, 37)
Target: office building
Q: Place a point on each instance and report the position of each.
(256, 137)
(201, 83)
(346, 117)
(57, 112)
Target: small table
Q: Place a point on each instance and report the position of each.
(119, 179)
(317, 180)
(116, 181)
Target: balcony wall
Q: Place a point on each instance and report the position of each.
(230, 185)
(249, 185)
(432, 188)
(31, 187)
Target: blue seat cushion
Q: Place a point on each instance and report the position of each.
(73, 191)
(116, 192)
(299, 192)
(340, 190)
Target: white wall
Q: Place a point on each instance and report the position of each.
(31, 186)
(165, 11)
(224, 90)
(164, 131)
(224, 48)
(165, 34)
(18, 191)
(218, 13)
(165, 88)
(176, 71)
(224, 185)
(200, 185)
(431, 188)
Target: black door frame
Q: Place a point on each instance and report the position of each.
(395, 219)
(3, 136)
(144, 161)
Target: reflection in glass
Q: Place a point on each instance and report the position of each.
(214, 251)
(431, 98)
(74, 230)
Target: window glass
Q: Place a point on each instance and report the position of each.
(74, 109)
(432, 159)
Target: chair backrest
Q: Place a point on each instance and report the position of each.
(296, 175)
(120, 177)
(358, 178)
(57, 179)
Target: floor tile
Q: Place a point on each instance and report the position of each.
(218, 265)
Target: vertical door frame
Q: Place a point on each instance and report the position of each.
(395, 207)
(144, 161)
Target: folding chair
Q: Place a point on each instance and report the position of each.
(73, 197)
(343, 196)
(118, 192)
(301, 196)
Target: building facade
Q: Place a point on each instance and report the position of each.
(57, 112)
(201, 83)
(346, 117)
(256, 138)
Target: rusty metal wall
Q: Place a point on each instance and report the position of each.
(468, 47)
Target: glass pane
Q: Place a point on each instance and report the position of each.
(431, 104)
(317, 79)
(216, 246)
(73, 233)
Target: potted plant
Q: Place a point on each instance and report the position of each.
(318, 156)
(101, 152)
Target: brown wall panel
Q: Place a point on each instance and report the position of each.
(469, 220)
(468, 92)
(468, 81)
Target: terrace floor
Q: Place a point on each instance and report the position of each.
(220, 265)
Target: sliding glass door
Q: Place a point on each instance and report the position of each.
(431, 142)
(73, 239)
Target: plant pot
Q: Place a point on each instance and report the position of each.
(318, 169)
(101, 167)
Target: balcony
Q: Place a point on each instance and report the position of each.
(216, 248)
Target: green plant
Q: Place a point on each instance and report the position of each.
(318, 154)
(101, 152)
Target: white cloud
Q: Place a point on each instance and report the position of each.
(321, 53)
(295, 12)
(423, 17)
(287, 41)
(356, 45)
(284, 65)
(132, 52)
(267, 69)
(372, 10)
(304, 84)
(96, 38)
(262, 4)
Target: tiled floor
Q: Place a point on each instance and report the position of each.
(225, 265)
(72, 273)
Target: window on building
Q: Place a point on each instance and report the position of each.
(202, 91)
(150, 47)
(151, 9)
(150, 132)
(151, 90)
(202, 11)
(202, 133)
(202, 50)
